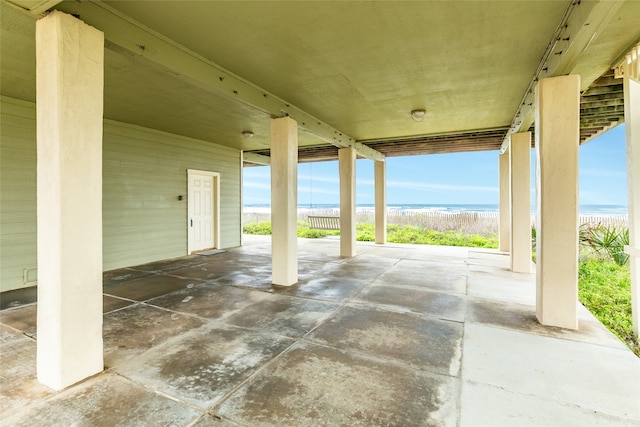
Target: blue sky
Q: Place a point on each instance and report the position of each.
(459, 178)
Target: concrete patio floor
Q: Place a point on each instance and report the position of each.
(399, 335)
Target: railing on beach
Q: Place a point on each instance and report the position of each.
(609, 221)
(465, 222)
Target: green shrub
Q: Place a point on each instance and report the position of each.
(421, 236)
(261, 228)
(311, 233)
(605, 290)
(264, 228)
(606, 241)
(365, 232)
(534, 242)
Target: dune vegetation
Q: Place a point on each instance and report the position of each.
(395, 234)
(604, 281)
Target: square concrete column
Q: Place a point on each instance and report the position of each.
(284, 201)
(69, 94)
(520, 167)
(505, 202)
(347, 166)
(380, 178)
(632, 128)
(557, 138)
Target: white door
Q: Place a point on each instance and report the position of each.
(202, 211)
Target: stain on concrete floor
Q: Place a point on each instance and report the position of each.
(435, 276)
(283, 315)
(135, 329)
(375, 340)
(167, 265)
(522, 317)
(18, 384)
(331, 288)
(18, 297)
(210, 300)
(24, 318)
(312, 385)
(201, 367)
(253, 278)
(120, 275)
(208, 420)
(144, 288)
(421, 301)
(424, 343)
(106, 400)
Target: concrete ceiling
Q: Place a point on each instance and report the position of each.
(363, 66)
(350, 69)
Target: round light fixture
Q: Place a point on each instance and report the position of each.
(247, 134)
(418, 115)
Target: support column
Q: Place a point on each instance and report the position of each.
(380, 178)
(69, 95)
(520, 167)
(505, 202)
(557, 138)
(347, 165)
(284, 201)
(632, 128)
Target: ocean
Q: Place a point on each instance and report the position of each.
(591, 210)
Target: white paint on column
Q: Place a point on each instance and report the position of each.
(557, 138)
(380, 178)
(347, 165)
(632, 128)
(284, 201)
(69, 83)
(520, 166)
(505, 202)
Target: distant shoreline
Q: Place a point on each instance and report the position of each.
(585, 210)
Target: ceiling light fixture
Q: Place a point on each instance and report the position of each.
(247, 134)
(418, 115)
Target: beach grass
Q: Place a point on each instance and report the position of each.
(604, 280)
(605, 290)
(605, 242)
(418, 235)
(396, 233)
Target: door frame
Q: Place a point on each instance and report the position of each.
(215, 208)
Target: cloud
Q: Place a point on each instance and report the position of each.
(249, 178)
(425, 186)
(314, 190)
(260, 185)
(603, 173)
(248, 200)
(301, 188)
(318, 178)
(594, 198)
